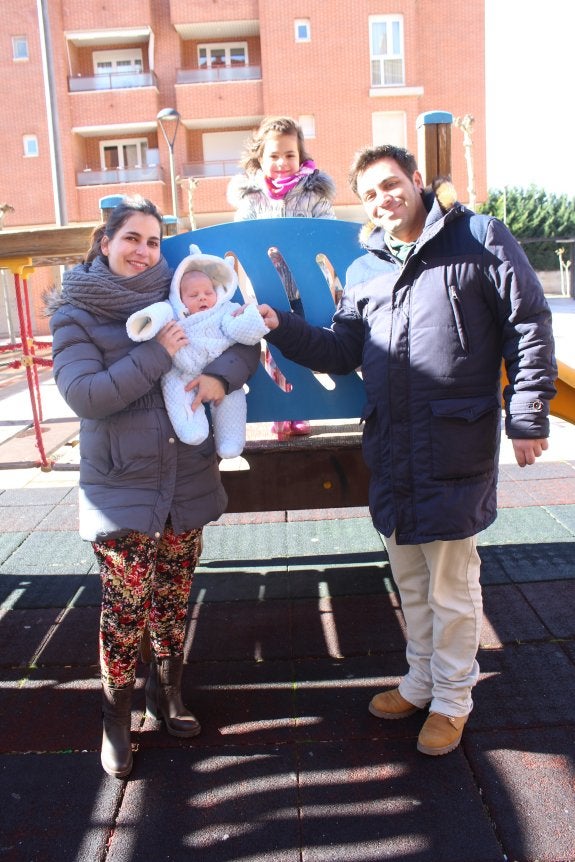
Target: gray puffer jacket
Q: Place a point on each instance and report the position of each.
(134, 472)
(312, 197)
(430, 337)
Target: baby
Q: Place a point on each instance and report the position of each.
(200, 300)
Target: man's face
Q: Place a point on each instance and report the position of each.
(392, 200)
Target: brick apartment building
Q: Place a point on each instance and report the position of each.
(84, 80)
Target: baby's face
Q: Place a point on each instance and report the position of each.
(197, 291)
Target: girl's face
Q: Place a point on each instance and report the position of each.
(134, 247)
(280, 156)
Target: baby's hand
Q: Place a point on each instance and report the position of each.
(172, 337)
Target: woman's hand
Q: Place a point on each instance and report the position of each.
(172, 337)
(209, 389)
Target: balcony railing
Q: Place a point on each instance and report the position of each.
(88, 177)
(112, 81)
(218, 74)
(211, 169)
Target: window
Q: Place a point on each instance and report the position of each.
(128, 153)
(107, 62)
(215, 56)
(19, 48)
(389, 127)
(386, 50)
(30, 143)
(307, 123)
(302, 30)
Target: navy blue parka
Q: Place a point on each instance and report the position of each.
(430, 336)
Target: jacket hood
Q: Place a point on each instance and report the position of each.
(221, 273)
(243, 185)
(441, 194)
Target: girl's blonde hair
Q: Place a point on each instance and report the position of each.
(251, 158)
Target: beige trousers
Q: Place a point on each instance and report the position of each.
(441, 601)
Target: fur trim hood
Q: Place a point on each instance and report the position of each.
(243, 185)
(221, 273)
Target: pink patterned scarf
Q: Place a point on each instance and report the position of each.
(279, 188)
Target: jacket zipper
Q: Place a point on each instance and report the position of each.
(458, 315)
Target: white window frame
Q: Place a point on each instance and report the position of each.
(30, 144)
(141, 145)
(19, 43)
(127, 60)
(227, 48)
(302, 24)
(383, 65)
(307, 123)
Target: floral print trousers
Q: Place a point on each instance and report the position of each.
(144, 582)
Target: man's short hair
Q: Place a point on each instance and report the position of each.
(370, 155)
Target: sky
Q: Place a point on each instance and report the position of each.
(530, 86)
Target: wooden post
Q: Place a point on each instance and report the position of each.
(434, 145)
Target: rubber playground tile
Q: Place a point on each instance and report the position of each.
(74, 640)
(380, 799)
(554, 606)
(524, 526)
(234, 631)
(332, 698)
(544, 561)
(33, 497)
(239, 584)
(237, 703)
(24, 518)
(559, 491)
(62, 517)
(526, 777)
(53, 710)
(39, 591)
(210, 805)
(524, 685)
(46, 553)
(256, 542)
(341, 580)
(508, 617)
(493, 564)
(565, 515)
(333, 539)
(70, 817)
(344, 626)
(9, 543)
(22, 634)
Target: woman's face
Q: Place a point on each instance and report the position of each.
(134, 247)
(280, 156)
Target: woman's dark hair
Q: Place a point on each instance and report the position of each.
(251, 158)
(117, 217)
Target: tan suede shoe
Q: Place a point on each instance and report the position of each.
(390, 704)
(441, 733)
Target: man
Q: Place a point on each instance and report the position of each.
(444, 296)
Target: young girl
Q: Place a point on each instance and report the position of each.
(281, 180)
(144, 495)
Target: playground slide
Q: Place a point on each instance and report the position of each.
(563, 405)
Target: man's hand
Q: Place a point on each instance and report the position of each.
(271, 319)
(209, 389)
(526, 451)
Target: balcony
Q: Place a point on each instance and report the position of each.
(111, 81)
(211, 169)
(218, 74)
(88, 177)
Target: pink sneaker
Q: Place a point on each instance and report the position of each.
(300, 428)
(282, 429)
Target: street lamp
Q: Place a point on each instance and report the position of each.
(169, 115)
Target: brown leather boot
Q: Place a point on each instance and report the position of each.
(164, 697)
(441, 733)
(116, 755)
(390, 704)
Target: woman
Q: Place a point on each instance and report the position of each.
(144, 495)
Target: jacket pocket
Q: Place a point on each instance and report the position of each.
(464, 436)
(458, 317)
(370, 441)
